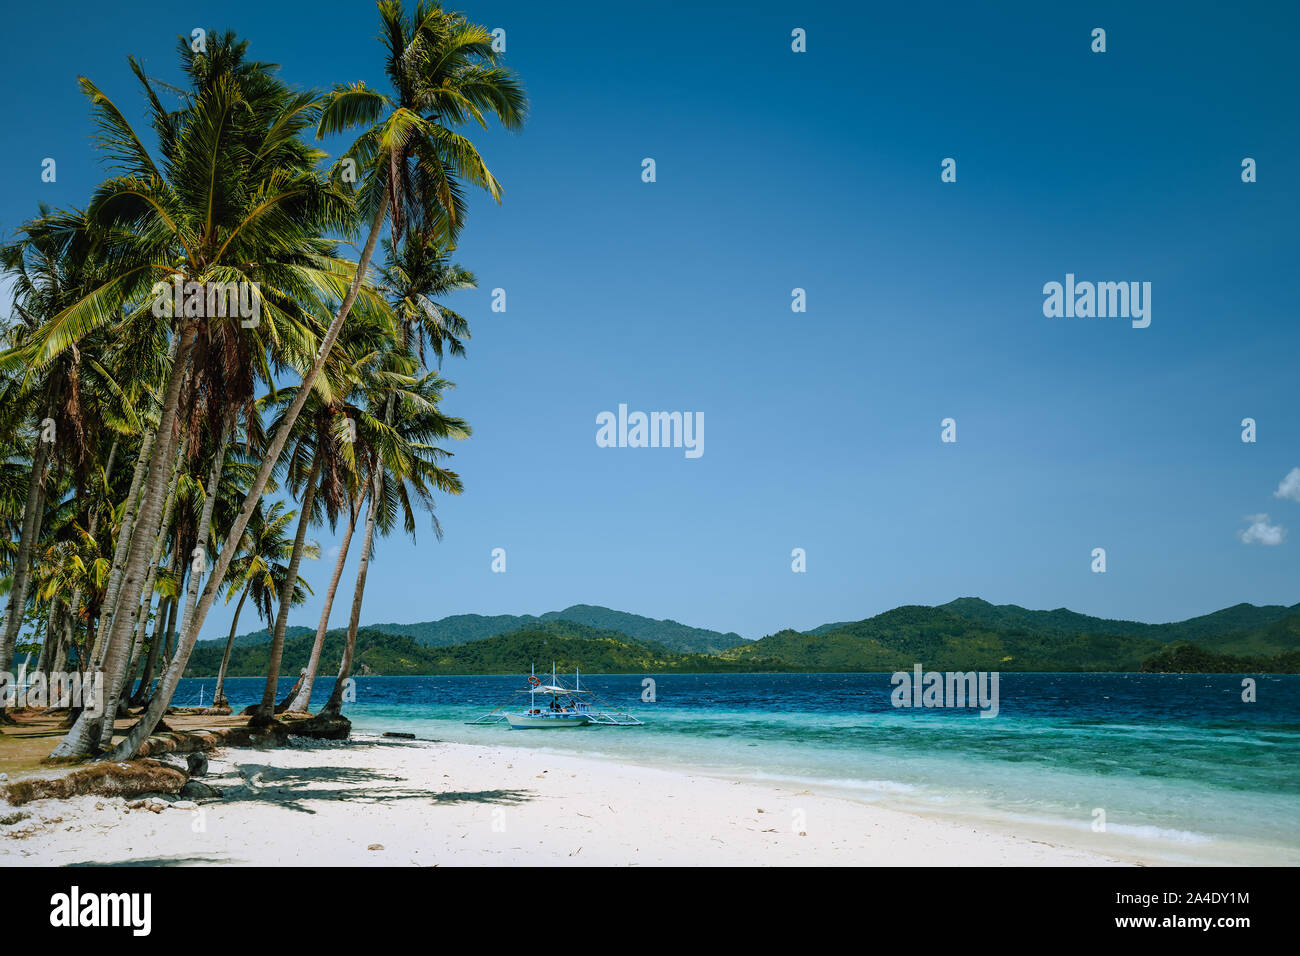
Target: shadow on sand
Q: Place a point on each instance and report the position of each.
(157, 861)
(292, 787)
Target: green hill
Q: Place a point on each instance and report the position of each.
(459, 628)
(571, 645)
(942, 640)
(260, 636)
(1269, 640)
(1063, 622)
(563, 642)
(463, 628)
(676, 637)
(970, 634)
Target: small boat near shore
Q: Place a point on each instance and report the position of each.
(559, 706)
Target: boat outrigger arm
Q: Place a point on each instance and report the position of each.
(567, 707)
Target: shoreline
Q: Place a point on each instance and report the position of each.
(373, 801)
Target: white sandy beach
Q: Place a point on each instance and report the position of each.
(402, 803)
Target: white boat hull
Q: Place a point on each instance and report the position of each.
(544, 720)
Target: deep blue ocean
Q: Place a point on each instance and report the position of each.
(1182, 768)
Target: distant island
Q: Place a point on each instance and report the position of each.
(965, 634)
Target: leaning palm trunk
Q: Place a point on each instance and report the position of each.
(60, 653)
(108, 610)
(65, 642)
(137, 649)
(85, 732)
(291, 582)
(293, 692)
(134, 668)
(144, 727)
(302, 700)
(51, 638)
(192, 597)
(163, 622)
(160, 541)
(335, 702)
(23, 560)
(165, 638)
(219, 695)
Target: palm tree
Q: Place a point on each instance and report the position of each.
(404, 470)
(233, 194)
(417, 274)
(52, 265)
(300, 699)
(235, 198)
(261, 572)
(167, 586)
(444, 73)
(317, 457)
(418, 271)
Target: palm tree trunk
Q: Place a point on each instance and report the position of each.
(335, 702)
(51, 638)
(219, 696)
(85, 732)
(59, 648)
(167, 636)
(78, 651)
(267, 707)
(192, 597)
(302, 701)
(136, 666)
(155, 564)
(108, 610)
(140, 732)
(23, 560)
(163, 622)
(65, 642)
(165, 650)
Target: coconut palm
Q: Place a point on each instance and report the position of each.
(416, 274)
(300, 699)
(317, 457)
(232, 193)
(261, 572)
(404, 470)
(444, 73)
(52, 265)
(235, 197)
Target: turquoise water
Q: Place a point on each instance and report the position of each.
(1183, 768)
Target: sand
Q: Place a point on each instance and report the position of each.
(378, 802)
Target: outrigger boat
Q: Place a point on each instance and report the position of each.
(561, 707)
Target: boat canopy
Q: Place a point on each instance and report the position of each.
(552, 689)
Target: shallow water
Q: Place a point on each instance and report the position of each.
(1183, 769)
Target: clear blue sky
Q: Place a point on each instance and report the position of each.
(821, 170)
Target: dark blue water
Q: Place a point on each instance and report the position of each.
(1180, 765)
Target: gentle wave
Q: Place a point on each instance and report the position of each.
(874, 786)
